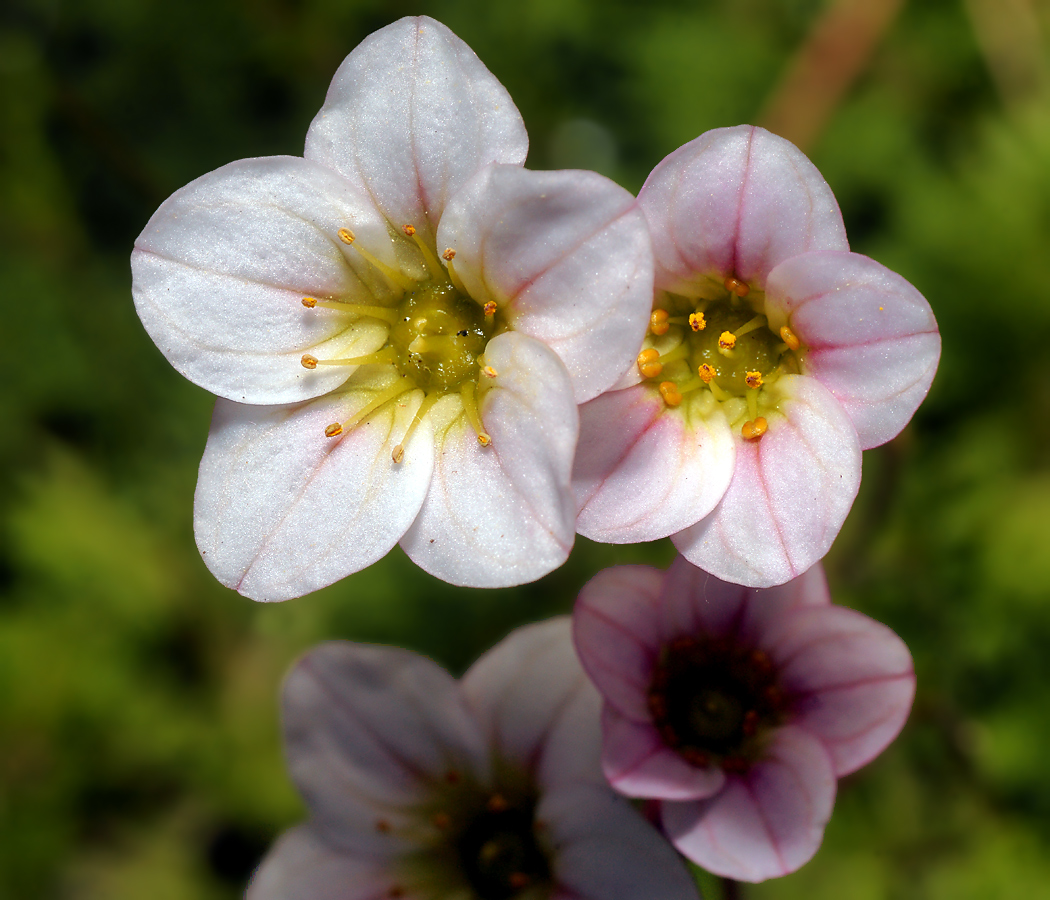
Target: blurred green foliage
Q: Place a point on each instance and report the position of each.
(139, 738)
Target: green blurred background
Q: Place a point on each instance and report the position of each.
(139, 741)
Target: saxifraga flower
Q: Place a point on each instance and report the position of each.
(424, 788)
(774, 356)
(736, 709)
(399, 327)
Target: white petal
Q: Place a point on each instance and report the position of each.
(220, 271)
(642, 471)
(503, 514)
(790, 493)
(371, 733)
(301, 866)
(567, 257)
(604, 850)
(410, 115)
(281, 510)
(536, 706)
(736, 201)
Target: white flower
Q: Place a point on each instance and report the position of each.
(425, 788)
(399, 327)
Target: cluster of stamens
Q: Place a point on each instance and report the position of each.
(714, 701)
(436, 338)
(724, 346)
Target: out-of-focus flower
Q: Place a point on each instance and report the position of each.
(774, 357)
(399, 325)
(737, 709)
(424, 788)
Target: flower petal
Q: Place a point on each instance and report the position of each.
(371, 733)
(220, 271)
(616, 630)
(765, 823)
(790, 493)
(566, 255)
(736, 201)
(604, 850)
(301, 866)
(694, 602)
(871, 338)
(853, 679)
(638, 763)
(503, 514)
(410, 115)
(282, 510)
(642, 472)
(536, 707)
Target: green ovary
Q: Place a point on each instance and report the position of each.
(756, 351)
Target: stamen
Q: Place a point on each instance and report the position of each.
(694, 384)
(789, 337)
(751, 325)
(489, 309)
(726, 343)
(489, 372)
(347, 236)
(752, 431)
(753, 380)
(398, 454)
(359, 309)
(433, 266)
(470, 407)
(402, 385)
(648, 364)
(752, 404)
(392, 275)
(386, 355)
(669, 391)
(736, 286)
(706, 372)
(679, 352)
(658, 323)
(448, 256)
(697, 321)
(720, 395)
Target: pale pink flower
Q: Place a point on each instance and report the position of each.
(399, 327)
(737, 709)
(424, 788)
(774, 357)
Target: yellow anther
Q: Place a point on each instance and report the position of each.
(309, 302)
(726, 340)
(669, 391)
(334, 429)
(648, 363)
(697, 321)
(489, 372)
(490, 308)
(484, 439)
(309, 362)
(398, 453)
(449, 254)
(753, 380)
(707, 373)
(752, 431)
(409, 229)
(736, 286)
(658, 323)
(347, 236)
(789, 337)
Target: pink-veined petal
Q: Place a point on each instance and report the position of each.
(282, 510)
(604, 850)
(791, 492)
(643, 471)
(616, 630)
(735, 201)
(221, 269)
(767, 608)
(503, 514)
(871, 338)
(535, 705)
(301, 866)
(694, 602)
(765, 823)
(411, 114)
(371, 733)
(638, 763)
(567, 257)
(852, 678)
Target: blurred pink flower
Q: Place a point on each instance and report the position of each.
(737, 709)
(399, 326)
(774, 357)
(424, 788)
